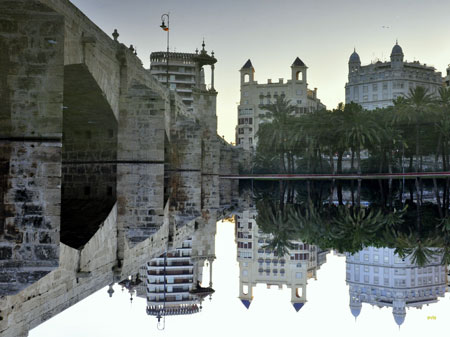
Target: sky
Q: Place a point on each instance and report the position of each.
(326, 312)
(272, 34)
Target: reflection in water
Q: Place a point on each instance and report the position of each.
(380, 277)
(260, 262)
(394, 258)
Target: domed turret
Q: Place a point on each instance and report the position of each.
(354, 62)
(354, 57)
(399, 317)
(355, 311)
(397, 50)
(397, 56)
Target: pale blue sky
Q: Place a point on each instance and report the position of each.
(272, 33)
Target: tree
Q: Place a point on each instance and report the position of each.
(274, 134)
(413, 110)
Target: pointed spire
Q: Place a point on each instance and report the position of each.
(298, 306)
(246, 303)
(298, 63)
(247, 65)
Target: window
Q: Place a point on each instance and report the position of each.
(385, 86)
(376, 258)
(298, 275)
(375, 87)
(366, 257)
(374, 97)
(365, 89)
(298, 92)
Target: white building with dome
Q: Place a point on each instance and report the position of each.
(380, 277)
(377, 84)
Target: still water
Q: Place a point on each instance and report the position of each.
(372, 291)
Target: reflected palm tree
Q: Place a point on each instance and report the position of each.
(272, 219)
(417, 248)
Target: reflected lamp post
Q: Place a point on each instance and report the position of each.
(166, 28)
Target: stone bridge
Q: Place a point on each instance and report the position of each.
(101, 167)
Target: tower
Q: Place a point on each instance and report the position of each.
(298, 295)
(354, 63)
(398, 310)
(397, 56)
(298, 71)
(245, 293)
(355, 302)
(247, 72)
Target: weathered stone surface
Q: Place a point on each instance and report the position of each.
(117, 122)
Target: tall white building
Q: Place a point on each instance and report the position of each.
(259, 265)
(377, 84)
(254, 96)
(185, 71)
(380, 277)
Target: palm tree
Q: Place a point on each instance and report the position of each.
(359, 226)
(413, 109)
(418, 248)
(273, 220)
(274, 133)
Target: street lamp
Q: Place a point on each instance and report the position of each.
(166, 28)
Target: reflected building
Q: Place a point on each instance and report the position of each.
(259, 265)
(172, 282)
(380, 277)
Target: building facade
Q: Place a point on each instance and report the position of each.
(376, 85)
(254, 96)
(183, 70)
(259, 265)
(380, 277)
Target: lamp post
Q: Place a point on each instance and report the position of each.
(166, 28)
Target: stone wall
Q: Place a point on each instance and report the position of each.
(140, 171)
(31, 85)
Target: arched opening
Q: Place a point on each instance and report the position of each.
(89, 153)
(245, 289)
(299, 75)
(299, 292)
(246, 78)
